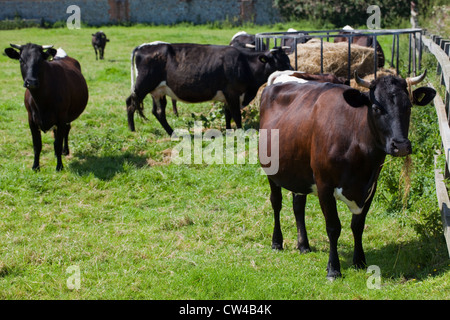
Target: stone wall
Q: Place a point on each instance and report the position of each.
(98, 12)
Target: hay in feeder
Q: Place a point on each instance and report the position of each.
(335, 58)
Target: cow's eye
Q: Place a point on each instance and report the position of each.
(377, 109)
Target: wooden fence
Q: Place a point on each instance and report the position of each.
(440, 48)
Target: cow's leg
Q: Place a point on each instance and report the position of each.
(96, 56)
(174, 107)
(37, 143)
(133, 103)
(101, 51)
(60, 133)
(65, 150)
(275, 199)
(159, 111)
(227, 117)
(299, 203)
(234, 109)
(333, 226)
(357, 226)
(358, 221)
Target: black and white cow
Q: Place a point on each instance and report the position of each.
(197, 73)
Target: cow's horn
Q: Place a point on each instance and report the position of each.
(361, 82)
(416, 80)
(15, 46)
(285, 47)
(47, 46)
(251, 46)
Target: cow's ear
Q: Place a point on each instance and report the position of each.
(13, 54)
(264, 58)
(423, 96)
(355, 98)
(50, 53)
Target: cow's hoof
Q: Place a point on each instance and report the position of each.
(277, 246)
(304, 249)
(333, 275)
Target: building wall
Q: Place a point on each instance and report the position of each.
(98, 12)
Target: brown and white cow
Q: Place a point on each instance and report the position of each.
(56, 94)
(332, 142)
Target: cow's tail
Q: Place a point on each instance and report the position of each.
(134, 102)
(133, 68)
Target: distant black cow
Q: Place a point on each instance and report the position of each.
(198, 73)
(56, 94)
(99, 41)
(332, 142)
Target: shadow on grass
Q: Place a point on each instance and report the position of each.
(104, 167)
(418, 259)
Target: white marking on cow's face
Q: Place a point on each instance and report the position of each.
(350, 204)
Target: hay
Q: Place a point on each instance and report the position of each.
(335, 58)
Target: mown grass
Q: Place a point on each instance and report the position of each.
(140, 227)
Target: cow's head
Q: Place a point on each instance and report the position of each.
(390, 100)
(31, 57)
(99, 37)
(275, 59)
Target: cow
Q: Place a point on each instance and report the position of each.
(364, 41)
(56, 94)
(197, 73)
(99, 41)
(332, 142)
(245, 40)
(303, 77)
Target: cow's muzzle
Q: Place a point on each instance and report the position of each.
(400, 148)
(31, 84)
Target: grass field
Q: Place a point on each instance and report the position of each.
(128, 224)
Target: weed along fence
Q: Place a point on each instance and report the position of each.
(297, 38)
(440, 48)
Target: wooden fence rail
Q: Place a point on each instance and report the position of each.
(440, 48)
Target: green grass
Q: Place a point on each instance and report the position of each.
(139, 227)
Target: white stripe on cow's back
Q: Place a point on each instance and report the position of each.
(237, 34)
(154, 43)
(284, 76)
(60, 53)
